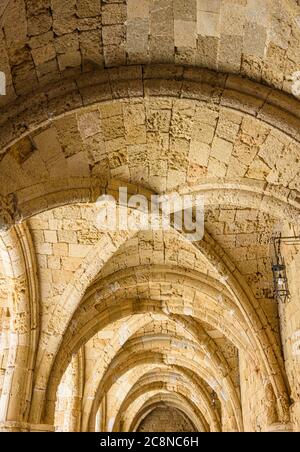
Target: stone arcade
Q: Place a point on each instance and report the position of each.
(123, 331)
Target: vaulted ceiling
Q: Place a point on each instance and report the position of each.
(122, 330)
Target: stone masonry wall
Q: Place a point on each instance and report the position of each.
(165, 420)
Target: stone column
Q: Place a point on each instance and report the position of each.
(75, 414)
(257, 397)
(103, 408)
(69, 397)
(98, 425)
(290, 323)
(295, 416)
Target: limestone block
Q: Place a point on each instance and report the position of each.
(114, 34)
(216, 168)
(138, 9)
(227, 130)
(208, 24)
(91, 47)
(232, 20)
(255, 39)
(25, 81)
(60, 249)
(89, 24)
(207, 51)
(115, 55)
(161, 18)
(89, 124)
(135, 135)
(185, 33)
(69, 136)
(113, 128)
(50, 236)
(66, 43)
(46, 248)
(178, 153)
(70, 263)
(185, 56)
(78, 164)
(161, 49)
(212, 6)
(40, 24)
(185, 10)
(230, 55)
(134, 114)
(43, 53)
(16, 14)
(63, 25)
(181, 125)
(158, 120)
(199, 153)
(113, 14)
(69, 60)
(221, 150)
(88, 8)
(203, 132)
(137, 37)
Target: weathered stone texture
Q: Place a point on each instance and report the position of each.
(165, 420)
(135, 328)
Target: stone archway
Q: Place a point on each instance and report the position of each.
(107, 329)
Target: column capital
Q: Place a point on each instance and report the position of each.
(8, 211)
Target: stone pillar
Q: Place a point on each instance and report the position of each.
(4, 346)
(257, 397)
(104, 421)
(12, 399)
(290, 323)
(69, 398)
(75, 414)
(100, 418)
(98, 425)
(109, 411)
(295, 416)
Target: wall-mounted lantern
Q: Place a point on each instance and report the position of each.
(281, 286)
(214, 398)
